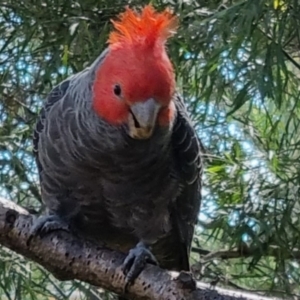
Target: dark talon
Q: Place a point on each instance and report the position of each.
(136, 261)
(46, 224)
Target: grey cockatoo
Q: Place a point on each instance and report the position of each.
(117, 155)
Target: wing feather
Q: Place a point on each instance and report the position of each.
(54, 96)
(188, 159)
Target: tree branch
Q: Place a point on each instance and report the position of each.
(245, 251)
(68, 257)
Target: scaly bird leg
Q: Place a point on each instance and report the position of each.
(46, 224)
(136, 261)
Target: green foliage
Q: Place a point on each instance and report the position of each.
(237, 66)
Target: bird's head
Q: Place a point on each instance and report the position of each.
(135, 83)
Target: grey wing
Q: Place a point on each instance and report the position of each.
(188, 159)
(55, 95)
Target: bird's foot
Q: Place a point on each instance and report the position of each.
(136, 261)
(46, 224)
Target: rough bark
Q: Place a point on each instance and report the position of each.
(69, 257)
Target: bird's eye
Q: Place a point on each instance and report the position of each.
(117, 90)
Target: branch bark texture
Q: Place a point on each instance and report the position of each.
(68, 257)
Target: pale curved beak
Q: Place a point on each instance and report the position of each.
(142, 119)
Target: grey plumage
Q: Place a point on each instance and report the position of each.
(111, 187)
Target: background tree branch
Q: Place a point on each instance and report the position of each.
(245, 251)
(68, 257)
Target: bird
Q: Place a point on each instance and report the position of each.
(118, 157)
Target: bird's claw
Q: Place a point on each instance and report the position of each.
(136, 261)
(46, 224)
